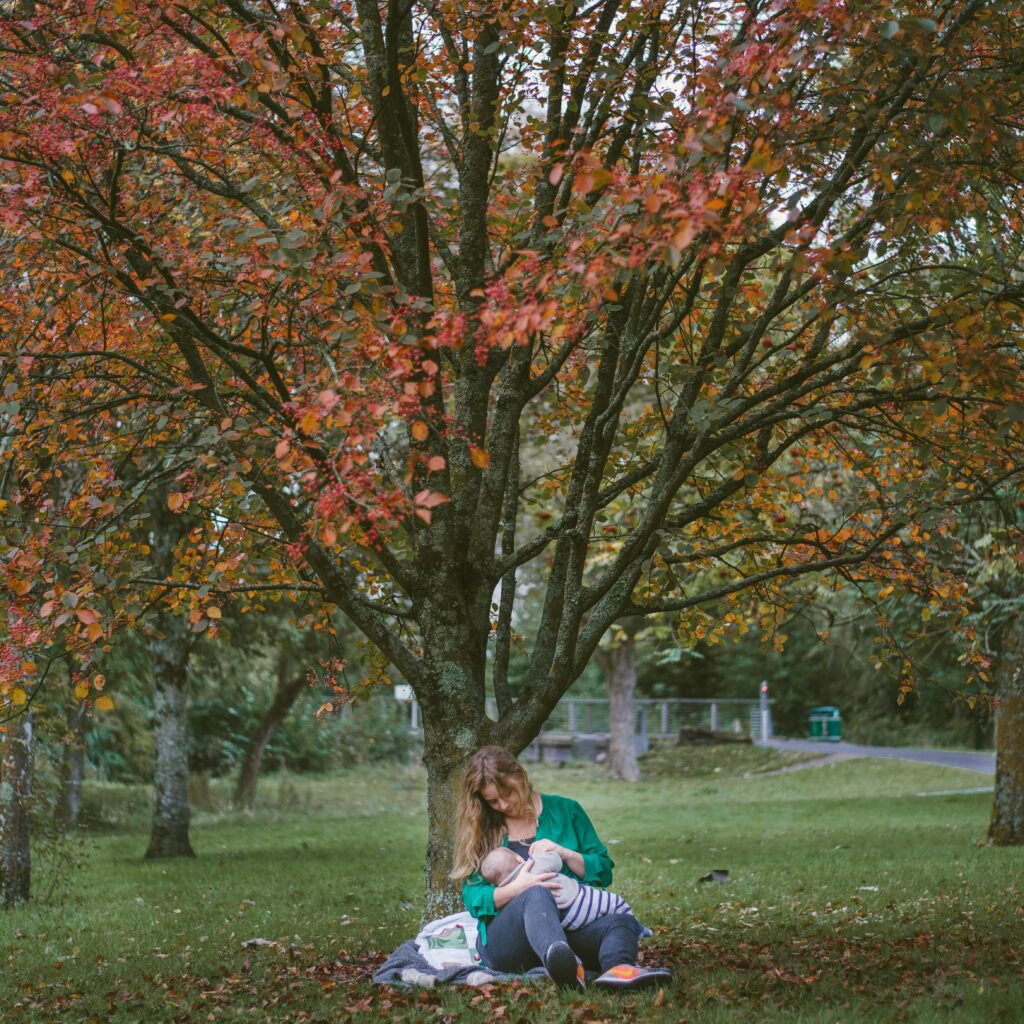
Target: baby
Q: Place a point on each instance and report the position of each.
(579, 904)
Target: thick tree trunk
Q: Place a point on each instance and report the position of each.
(449, 740)
(455, 726)
(169, 652)
(443, 896)
(15, 807)
(288, 689)
(619, 665)
(1007, 825)
(72, 765)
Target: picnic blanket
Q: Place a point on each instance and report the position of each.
(444, 952)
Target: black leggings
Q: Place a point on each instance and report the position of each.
(520, 933)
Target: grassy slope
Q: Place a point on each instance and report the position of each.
(330, 870)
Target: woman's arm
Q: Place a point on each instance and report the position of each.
(596, 861)
(524, 880)
(581, 850)
(482, 899)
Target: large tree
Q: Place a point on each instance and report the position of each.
(348, 267)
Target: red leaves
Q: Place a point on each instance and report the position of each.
(427, 500)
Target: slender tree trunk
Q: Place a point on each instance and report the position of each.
(171, 812)
(15, 807)
(1007, 825)
(285, 695)
(169, 649)
(72, 764)
(619, 665)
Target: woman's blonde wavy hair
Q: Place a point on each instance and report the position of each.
(480, 828)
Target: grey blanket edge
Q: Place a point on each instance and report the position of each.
(407, 959)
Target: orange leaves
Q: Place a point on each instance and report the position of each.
(420, 431)
(176, 502)
(309, 422)
(480, 458)
(591, 179)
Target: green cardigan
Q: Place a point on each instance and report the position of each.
(562, 821)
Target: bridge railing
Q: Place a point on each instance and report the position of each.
(654, 718)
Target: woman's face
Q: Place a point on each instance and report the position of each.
(502, 804)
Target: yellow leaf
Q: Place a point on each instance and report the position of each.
(213, 612)
(81, 691)
(18, 695)
(104, 703)
(93, 632)
(175, 501)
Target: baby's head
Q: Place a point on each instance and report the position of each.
(498, 864)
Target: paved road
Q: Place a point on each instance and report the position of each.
(975, 762)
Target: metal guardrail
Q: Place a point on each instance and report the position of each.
(656, 719)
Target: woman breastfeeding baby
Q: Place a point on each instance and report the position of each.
(533, 871)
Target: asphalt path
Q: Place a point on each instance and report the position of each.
(972, 761)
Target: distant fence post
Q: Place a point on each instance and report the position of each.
(714, 717)
(766, 714)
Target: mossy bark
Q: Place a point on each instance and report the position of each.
(169, 646)
(171, 812)
(1007, 825)
(15, 810)
(455, 726)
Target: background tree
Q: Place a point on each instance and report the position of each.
(474, 228)
(16, 750)
(617, 658)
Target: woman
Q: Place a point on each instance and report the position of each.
(519, 924)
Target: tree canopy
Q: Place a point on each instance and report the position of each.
(667, 301)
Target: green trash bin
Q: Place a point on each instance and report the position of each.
(825, 724)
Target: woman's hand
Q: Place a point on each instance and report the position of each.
(544, 845)
(570, 858)
(523, 881)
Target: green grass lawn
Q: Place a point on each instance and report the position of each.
(853, 896)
